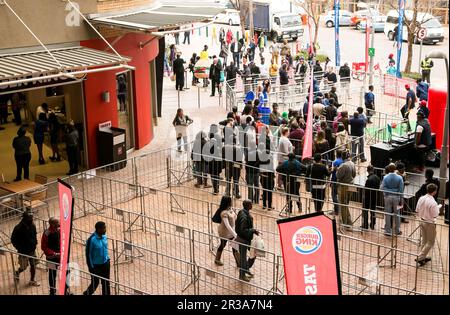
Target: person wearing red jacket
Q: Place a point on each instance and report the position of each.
(50, 245)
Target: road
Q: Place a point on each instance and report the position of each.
(353, 47)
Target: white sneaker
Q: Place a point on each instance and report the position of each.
(34, 284)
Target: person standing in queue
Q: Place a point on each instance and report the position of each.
(41, 127)
(97, 259)
(214, 76)
(428, 210)
(372, 186)
(245, 232)
(22, 154)
(50, 245)
(422, 140)
(319, 173)
(72, 144)
(178, 69)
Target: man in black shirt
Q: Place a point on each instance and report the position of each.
(318, 173)
(178, 69)
(24, 240)
(429, 179)
(345, 77)
(232, 158)
(245, 231)
(373, 183)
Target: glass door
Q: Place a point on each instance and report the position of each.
(125, 105)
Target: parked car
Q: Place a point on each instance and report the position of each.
(230, 17)
(344, 18)
(361, 15)
(435, 32)
(378, 23)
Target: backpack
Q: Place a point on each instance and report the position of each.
(216, 218)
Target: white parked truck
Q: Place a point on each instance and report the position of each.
(275, 20)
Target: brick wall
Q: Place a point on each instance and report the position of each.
(119, 5)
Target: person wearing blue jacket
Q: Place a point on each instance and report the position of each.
(97, 259)
(422, 90)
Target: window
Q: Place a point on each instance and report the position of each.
(391, 19)
(291, 21)
(432, 23)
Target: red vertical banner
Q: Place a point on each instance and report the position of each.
(310, 255)
(308, 138)
(66, 201)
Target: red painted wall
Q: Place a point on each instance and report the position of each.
(437, 101)
(98, 112)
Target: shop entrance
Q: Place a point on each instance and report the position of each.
(63, 106)
(125, 105)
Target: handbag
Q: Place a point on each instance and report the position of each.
(173, 77)
(216, 218)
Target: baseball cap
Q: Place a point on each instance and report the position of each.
(423, 103)
(391, 55)
(407, 86)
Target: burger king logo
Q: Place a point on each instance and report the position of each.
(307, 240)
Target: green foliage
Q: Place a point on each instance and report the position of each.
(411, 75)
(304, 54)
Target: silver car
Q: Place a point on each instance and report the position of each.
(344, 18)
(378, 23)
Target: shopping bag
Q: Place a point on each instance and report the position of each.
(173, 77)
(258, 247)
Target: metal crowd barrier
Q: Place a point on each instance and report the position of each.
(138, 212)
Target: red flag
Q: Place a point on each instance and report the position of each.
(307, 143)
(65, 212)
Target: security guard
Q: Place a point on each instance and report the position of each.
(426, 66)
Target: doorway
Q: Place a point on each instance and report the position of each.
(125, 105)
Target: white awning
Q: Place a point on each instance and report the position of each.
(160, 18)
(76, 60)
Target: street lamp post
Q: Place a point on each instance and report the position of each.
(444, 149)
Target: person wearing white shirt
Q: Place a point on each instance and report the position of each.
(284, 148)
(263, 69)
(428, 210)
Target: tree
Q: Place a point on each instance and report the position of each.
(313, 9)
(243, 7)
(413, 25)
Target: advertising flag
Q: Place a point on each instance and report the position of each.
(310, 255)
(66, 201)
(308, 138)
(336, 32)
(401, 16)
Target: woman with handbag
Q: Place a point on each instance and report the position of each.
(181, 122)
(226, 231)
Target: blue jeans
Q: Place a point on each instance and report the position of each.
(390, 207)
(358, 142)
(253, 185)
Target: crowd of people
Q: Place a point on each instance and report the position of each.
(46, 123)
